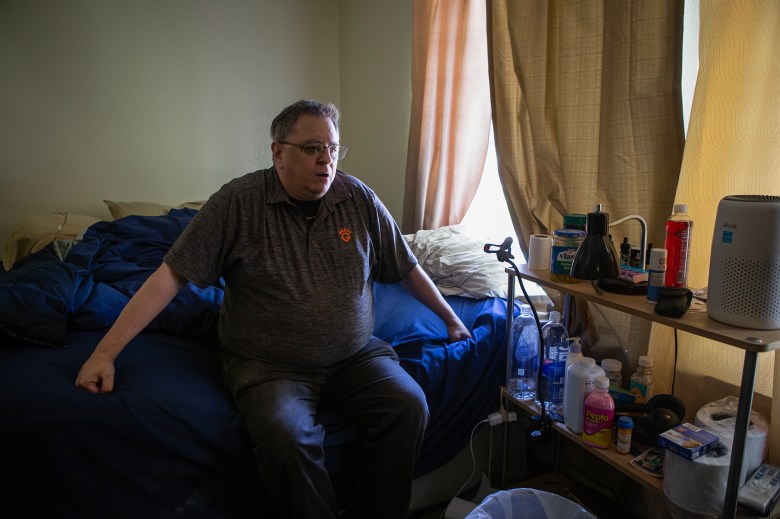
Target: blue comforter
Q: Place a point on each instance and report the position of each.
(168, 442)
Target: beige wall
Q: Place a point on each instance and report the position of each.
(165, 101)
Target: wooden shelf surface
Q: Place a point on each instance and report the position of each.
(697, 323)
(621, 462)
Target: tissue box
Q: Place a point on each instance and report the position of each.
(762, 490)
(688, 441)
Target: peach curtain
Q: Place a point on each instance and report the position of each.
(450, 119)
(587, 109)
(733, 147)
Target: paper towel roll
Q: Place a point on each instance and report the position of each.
(539, 252)
(699, 486)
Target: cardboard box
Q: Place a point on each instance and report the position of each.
(688, 441)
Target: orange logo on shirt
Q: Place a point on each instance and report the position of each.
(345, 234)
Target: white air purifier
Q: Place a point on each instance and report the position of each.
(744, 280)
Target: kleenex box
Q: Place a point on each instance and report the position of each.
(762, 490)
(688, 441)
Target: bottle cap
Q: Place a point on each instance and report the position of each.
(588, 362)
(575, 345)
(602, 382)
(625, 422)
(555, 316)
(658, 259)
(645, 362)
(680, 208)
(611, 365)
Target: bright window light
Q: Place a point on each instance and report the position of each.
(488, 215)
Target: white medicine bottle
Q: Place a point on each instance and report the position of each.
(574, 356)
(613, 370)
(642, 380)
(577, 377)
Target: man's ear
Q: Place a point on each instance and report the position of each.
(276, 152)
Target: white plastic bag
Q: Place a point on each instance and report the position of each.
(528, 503)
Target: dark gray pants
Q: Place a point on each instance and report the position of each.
(279, 404)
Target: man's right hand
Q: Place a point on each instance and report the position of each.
(97, 374)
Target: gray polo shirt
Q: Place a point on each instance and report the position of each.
(297, 293)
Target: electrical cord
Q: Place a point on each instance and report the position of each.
(674, 369)
(503, 253)
(493, 419)
(473, 462)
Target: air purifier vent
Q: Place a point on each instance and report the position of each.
(734, 275)
(744, 277)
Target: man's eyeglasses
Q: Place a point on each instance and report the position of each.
(316, 149)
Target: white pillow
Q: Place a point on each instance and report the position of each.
(457, 263)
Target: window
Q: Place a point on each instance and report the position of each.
(488, 215)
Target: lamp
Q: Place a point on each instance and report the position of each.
(593, 262)
(596, 257)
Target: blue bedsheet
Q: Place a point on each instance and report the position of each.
(168, 441)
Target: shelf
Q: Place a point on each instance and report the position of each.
(697, 323)
(751, 341)
(621, 462)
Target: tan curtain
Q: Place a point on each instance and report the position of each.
(733, 147)
(587, 109)
(450, 119)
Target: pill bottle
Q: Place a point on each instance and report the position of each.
(564, 248)
(642, 380)
(625, 427)
(613, 370)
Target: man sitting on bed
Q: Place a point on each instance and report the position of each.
(299, 246)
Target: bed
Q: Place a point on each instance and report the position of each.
(168, 442)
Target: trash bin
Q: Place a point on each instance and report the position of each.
(528, 503)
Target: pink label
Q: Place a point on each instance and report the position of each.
(597, 426)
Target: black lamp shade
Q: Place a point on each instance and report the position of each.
(596, 257)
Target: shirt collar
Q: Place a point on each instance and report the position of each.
(337, 192)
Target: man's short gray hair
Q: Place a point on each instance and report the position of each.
(283, 123)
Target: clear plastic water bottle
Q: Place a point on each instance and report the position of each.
(556, 351)
(524, 361)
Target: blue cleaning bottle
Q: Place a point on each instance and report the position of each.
(556, 351)
(524, 358)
